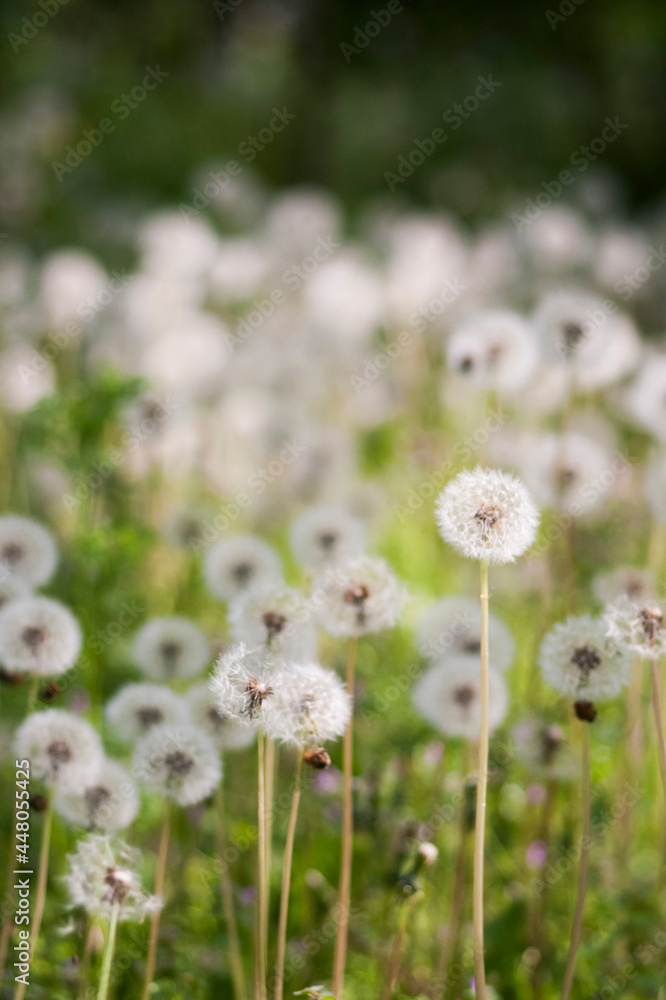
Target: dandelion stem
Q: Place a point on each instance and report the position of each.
(270, 760)
(286, 879)
(481, 788)
(658, 718)
(159, 891)
(262, 914)
(32, 694)
(40, 899)
(109, 950)
(449, 942)
(235, 956)
(584, 864)
(344, 892)
(399, 943)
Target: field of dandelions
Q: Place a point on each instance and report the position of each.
(332, 558)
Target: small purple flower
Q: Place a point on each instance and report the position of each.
(536, 794)
(536, 854)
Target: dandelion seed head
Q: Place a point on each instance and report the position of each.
(325, 536)
(495, 349)
(27, 550)
(38, 636)
(358, 597)
(178, 762)
(487, 514)
(274, 618)
(578, 658)
(448, 695)
(233, 565)
(63, 749)
(452, 627)
(169, 649)
(310, 706)
(227, 732)
(102, 875)
(136, 708)
(109, 802)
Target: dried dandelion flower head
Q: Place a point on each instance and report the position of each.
(638, 626)
(630, 582)
(63, 749)
(310, 706)
(38, 636)
(178, 762)
(233, 565)
(452, 627)
(102, 876)
(109, 802)
(448, 695)
(277, 619)
(495, 349)
(487, 514)
(136, 708)
(578, 658)
(227, 732)
(358, 597)
(243, 682)
(325, 536)
(27, 550)
(172, 648)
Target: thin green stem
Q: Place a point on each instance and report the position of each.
(658, 719)
(286, 879)
(481, 791)
(160, 875)
(344, 892)
(109, 951)
(262, 914)
(584, 865)
(235, 956)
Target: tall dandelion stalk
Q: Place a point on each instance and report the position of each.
(109, 951)
(344, 891)
(577, 927)
(286, 879)
(160, 876)
(486, 515)
(40, 898)
(226, 888)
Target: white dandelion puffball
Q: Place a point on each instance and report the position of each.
(325, 536)
(645, 397)
(358, 597)
(487, 514)
(109, 802)
(597, 344)
(242, 683)
(449, 697)
(12, 588)
(71, 280)
(63, 749)
(655, 486)
(310, 707)
(179, 762)
(579, 659)
(495, 349)
(233, 565)
(638, 626)
(168, 649)
(38, 636)
(27, 549)
(452, 627)
(276, 619)
(136, 708)
(227, 732)
(102, 875)
(632, 582)
(571, 472)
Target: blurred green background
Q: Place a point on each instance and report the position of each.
(355, 115)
